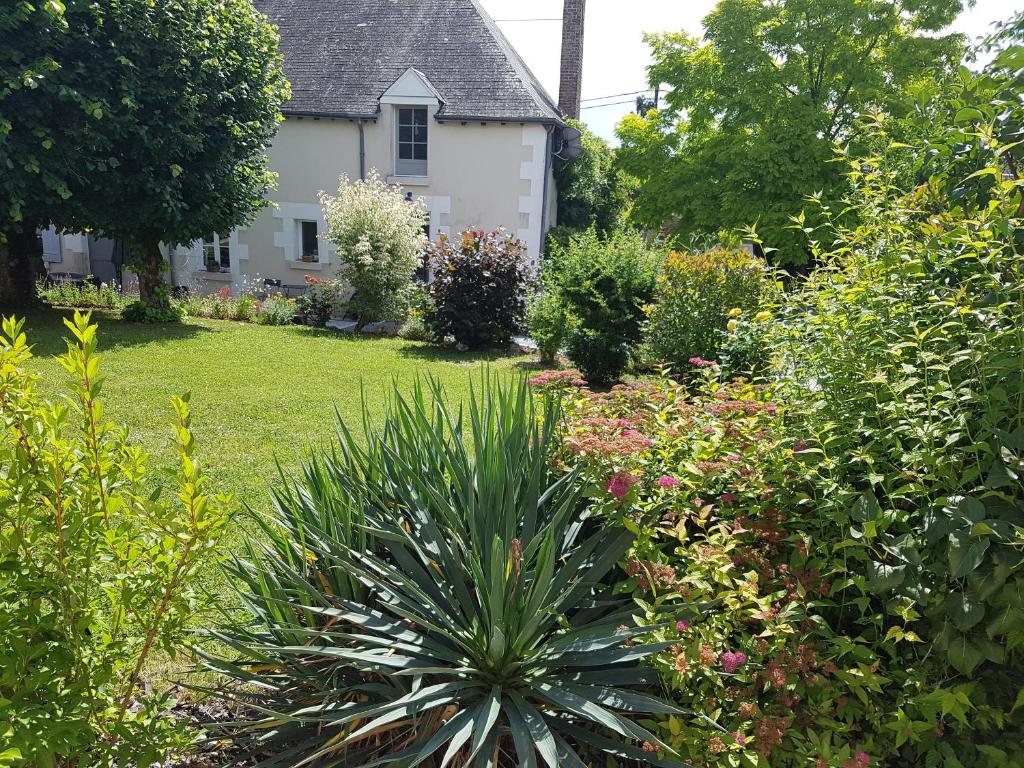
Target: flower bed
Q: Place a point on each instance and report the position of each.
(778, 645)
(740, 585)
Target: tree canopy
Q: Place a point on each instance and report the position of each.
(51, 120)
(756, 109)
(983, 125)
(197, 91)
(593, 191)
(136, 120)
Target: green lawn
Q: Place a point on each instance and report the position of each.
(257, 392)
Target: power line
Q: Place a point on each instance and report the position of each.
(615, 95)
(503, 20)
(609, 104)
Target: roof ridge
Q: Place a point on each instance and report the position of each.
(522, 69)
(342, 55)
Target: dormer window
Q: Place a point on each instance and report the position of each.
(411, 157)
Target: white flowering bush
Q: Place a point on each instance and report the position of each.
(379, 236)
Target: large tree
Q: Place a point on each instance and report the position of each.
(592, 190)
(196, 101)
(51, 119)
(137, 120)
(756, 109)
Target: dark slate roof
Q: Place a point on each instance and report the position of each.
(342, 55)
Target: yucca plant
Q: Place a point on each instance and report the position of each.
(438, 597)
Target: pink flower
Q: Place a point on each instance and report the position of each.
(740, 738)
(799, 446)
(732, 661)
(667, 482)
(733, 457)
(700, 362)
(682, 626)
(620, 483)
(729, 498)
(859, 760)
(634, 433)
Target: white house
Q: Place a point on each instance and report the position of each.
(429, 93)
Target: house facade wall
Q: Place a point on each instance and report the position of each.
(478, 176)
(65, 252)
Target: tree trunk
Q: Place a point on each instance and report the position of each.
(21, 266)
(149, 264)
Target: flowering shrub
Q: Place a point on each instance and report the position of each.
(379, 237)
(276, 310)
(322, 300)
(246, 308)
(703, 483)
(902, 360)
(479, 288)
(695, 295)
(791, 655)
(87, 296)
(223, 304)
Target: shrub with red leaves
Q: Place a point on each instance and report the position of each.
(480, 286)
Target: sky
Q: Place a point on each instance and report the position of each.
(615, 56)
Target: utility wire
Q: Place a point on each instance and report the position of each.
(609, 104)
(504, 20)
(615, 95)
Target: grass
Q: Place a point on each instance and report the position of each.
(258, 394)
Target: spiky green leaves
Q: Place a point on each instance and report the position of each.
(438, 597)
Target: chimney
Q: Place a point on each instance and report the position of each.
(571, 84)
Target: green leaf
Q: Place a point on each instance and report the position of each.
(1019, 702)
(998, 475)
(971, 508)
(965, 553)
(884, 578)
(964, 655)
(964, 611)
(538, 729)
(968, 115)
(865, 508)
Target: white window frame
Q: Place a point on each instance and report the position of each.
(219, 246)
(288, 237)
(301, 240)
(195, 257)
(53, 248)
(418, 135)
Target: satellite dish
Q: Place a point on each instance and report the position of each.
(571, 144)
(571, 134)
